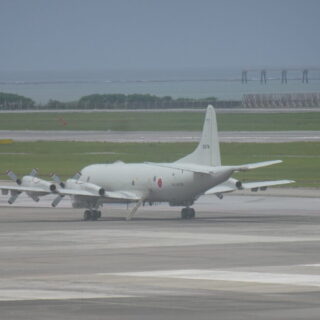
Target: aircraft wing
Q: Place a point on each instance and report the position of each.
(111, 195)
(24, 189)
(122, 195)
(221, 188)
(228, 186)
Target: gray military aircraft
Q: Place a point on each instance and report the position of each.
(179, 183)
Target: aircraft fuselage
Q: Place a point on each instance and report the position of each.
(153, 183)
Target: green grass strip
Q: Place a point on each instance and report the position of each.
(158, 121)
(301, 159)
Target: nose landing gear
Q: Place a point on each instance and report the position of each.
(91, 215)
(188, 213)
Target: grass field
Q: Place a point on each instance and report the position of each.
(157, 121)
(301, 160)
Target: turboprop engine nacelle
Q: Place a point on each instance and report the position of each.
(29, 181)
(86, 186)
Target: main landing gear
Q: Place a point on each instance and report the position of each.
(187, 213)
(91, 215)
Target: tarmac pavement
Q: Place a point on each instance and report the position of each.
(253, 256)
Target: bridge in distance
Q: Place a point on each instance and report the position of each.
(282, 73)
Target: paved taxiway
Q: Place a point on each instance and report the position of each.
(159, 136)
(244, 257)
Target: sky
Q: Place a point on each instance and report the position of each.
(155, 34)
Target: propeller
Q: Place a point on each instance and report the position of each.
(57, 179)
(13, 176)
(15, 193)
(62, 184)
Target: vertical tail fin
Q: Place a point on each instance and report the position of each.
(208, 151)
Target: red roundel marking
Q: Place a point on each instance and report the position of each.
(159, 182)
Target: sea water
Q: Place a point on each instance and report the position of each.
(225, 84)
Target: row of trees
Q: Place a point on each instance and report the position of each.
(139, 101)
(9, 101)
(112, 101)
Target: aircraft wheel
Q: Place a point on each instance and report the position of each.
(94, 215)
(187, 213)
(87, 215)
(184, 213)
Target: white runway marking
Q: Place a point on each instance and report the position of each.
(234, 276)
(75, 286)
(57, 288)
(118, 238)
(38, 294)
(158, 136)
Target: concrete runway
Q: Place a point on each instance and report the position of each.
(162, 136)
(243, 257)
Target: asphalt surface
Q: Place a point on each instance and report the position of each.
(243, 257)
(159, 136)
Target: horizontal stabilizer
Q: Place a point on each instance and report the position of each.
(256, 165)
(254, 185)
(230, 186)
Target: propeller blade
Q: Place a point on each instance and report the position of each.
(34, 172)
(33, 197)
(13, 176)
(14, 196)
(57, 179)
(57, 200)
(77, 176)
